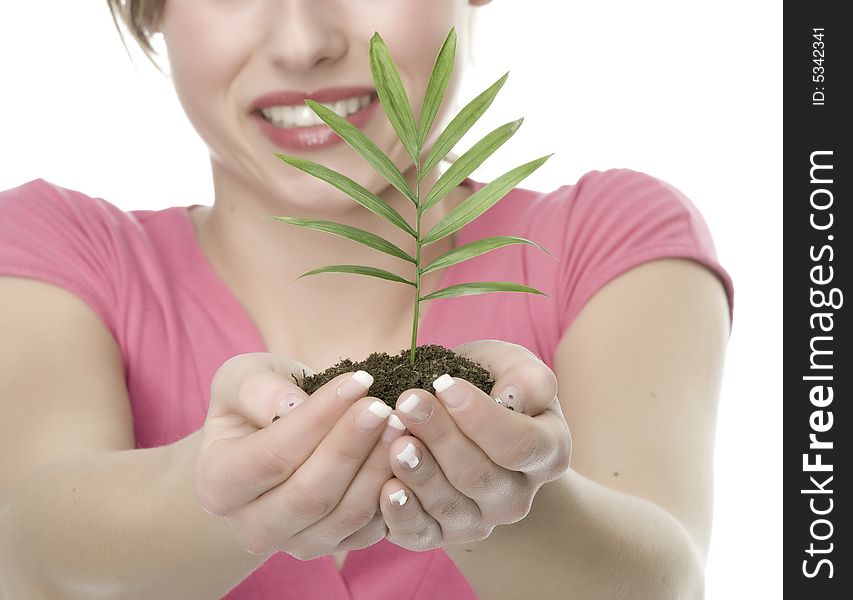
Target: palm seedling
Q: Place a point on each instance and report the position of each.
(395, 104)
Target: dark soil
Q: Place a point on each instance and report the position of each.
(392, 375)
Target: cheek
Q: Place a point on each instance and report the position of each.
(204, 52)
(414, 31)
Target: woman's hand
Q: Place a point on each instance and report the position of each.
(307, 484)
(471, 464)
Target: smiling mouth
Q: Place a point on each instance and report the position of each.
(291, 117)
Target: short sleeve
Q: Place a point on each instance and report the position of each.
(62, 237)
(619, 219)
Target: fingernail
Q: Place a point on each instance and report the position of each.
(303, 368)
(372, 417)
(353, 388)
(512, 397)
(415, 408)
(398, 498)
(452, 395)
(410, 457)
(288, 403)
(394, 429)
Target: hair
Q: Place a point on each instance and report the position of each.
(140, 18)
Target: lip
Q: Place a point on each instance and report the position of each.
(314, 136)
(297, 98)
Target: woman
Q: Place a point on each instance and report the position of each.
(166, 341)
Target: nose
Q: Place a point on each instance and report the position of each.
(303, 33)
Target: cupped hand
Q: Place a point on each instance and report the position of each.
(470, 464)
(307, 484)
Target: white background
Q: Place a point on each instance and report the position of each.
(689, 92)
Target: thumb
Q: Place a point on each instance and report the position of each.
(292, 368)
(255, 384)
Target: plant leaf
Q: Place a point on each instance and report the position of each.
(437, 85)
(462, 253)
(367, 199)
(393, 95)
(352, 233)
(353, 136)
(468, 162)
(481, 200)
(460, 125)
(359, 270)
(481, 287)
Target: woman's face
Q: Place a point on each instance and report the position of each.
(225, 54)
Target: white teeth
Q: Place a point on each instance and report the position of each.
(303, 116)
(341, 108)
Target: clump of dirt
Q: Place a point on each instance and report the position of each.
(392, 375)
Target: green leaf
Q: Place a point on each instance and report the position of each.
(481, 200)
(352, 233)
(438, 81)
(359, 270)
(468, 162)
(393, 96)
(462, 253)
(367, 199)
(481, 287)
(353, 136)
(460, 125)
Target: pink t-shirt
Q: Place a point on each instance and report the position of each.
(176, 321)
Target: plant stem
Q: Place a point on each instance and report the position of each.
(417, 274)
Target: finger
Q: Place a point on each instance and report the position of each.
(522, 381)
(239, 469)
(252, 385)
(409, 525)
(465, 465)
(512, 440)
(360, 502)
(368, 535)
(317, 486)
(416, 468)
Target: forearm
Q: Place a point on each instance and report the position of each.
(119, 525)
(584, 541)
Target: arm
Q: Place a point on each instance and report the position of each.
(83, 513)
(118, 524)
(639, 374)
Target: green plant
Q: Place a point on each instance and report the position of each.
(395, 103)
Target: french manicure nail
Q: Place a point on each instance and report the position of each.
(415, 408)
(372, 417)
(512, 397)
(410, 457)
(353, 388)
(394, 429)
(398, 498)
(452, 395)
